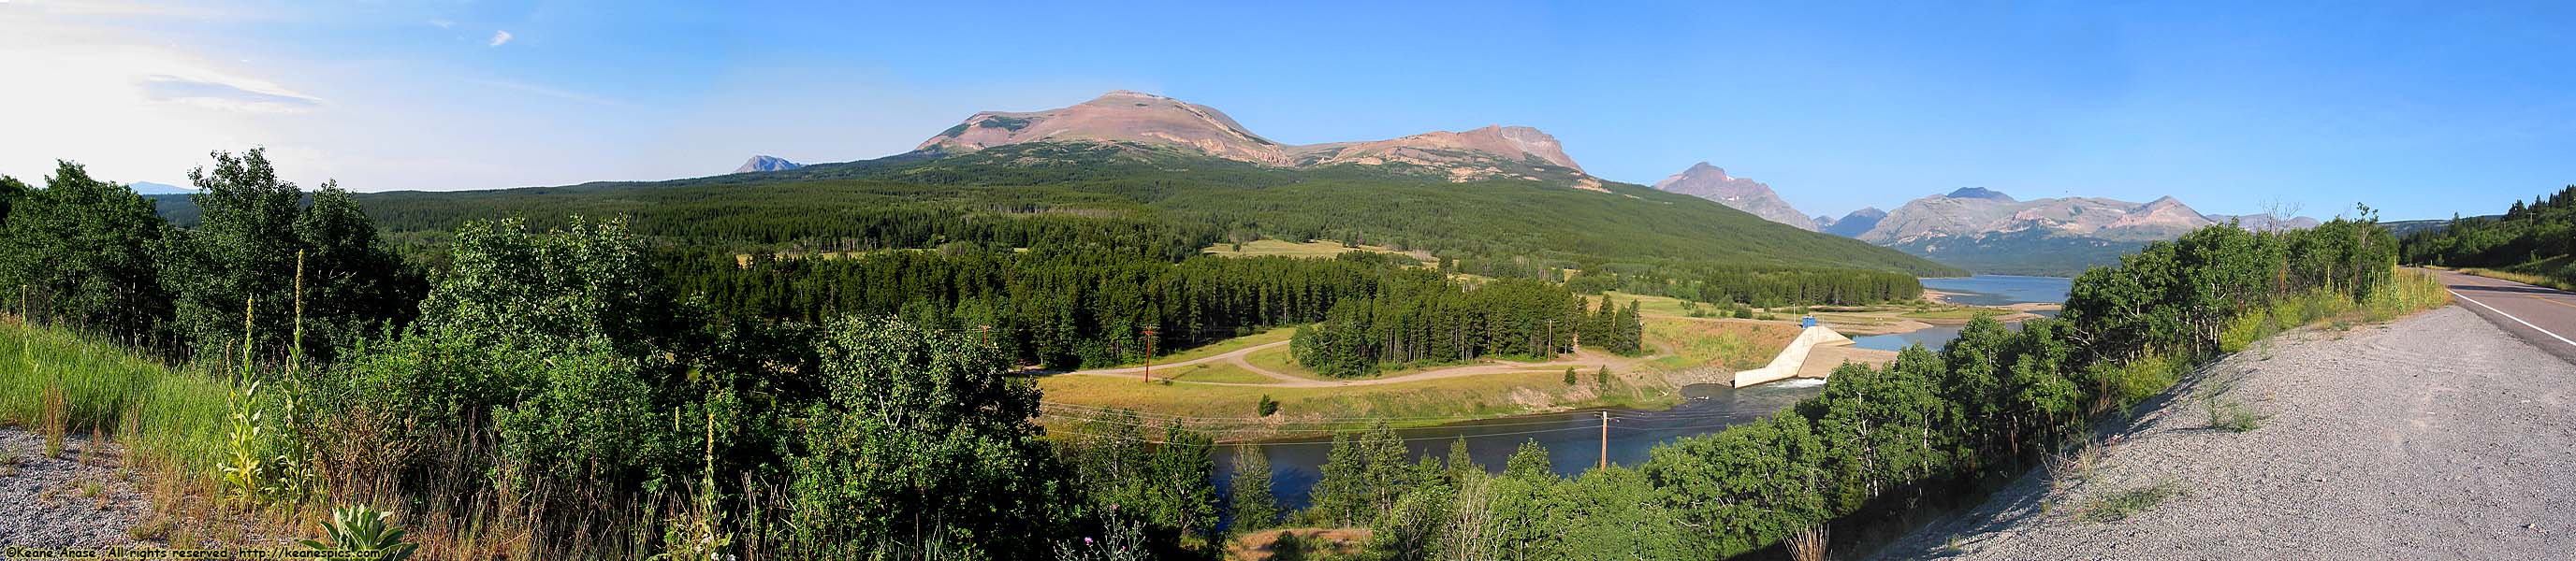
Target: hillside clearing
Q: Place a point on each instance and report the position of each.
(1321, 249)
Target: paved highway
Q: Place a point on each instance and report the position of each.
(2544, 317)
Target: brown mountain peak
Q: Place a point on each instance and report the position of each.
(1710, 182)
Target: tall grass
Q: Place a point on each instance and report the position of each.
(173, 415)
(2409, 292)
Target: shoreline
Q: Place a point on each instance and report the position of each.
(1945, 297)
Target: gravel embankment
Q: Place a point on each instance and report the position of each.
(2438, 436)
(62, 501)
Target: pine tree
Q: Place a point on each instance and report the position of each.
(1632, 334)
(1340, 492)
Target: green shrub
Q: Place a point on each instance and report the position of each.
(2137, 380)
(585, 419)
(925, 440)
(2120, 506)
(2231, 414)
(364, 529)
(2244, 331)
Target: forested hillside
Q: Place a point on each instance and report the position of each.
(2537, 239)
(1160, 202)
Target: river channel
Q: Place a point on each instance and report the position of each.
(1575, 439)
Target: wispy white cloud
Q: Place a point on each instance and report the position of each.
(124, 8)
(499, 37)
(442, 24)
(146, 111)
(551, 92)
(215, 91)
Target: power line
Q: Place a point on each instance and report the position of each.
(1255, 423)
(1355, 419)
(1400, 439)
(1615, 416)
(1685, 427)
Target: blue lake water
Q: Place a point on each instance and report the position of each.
(1574, 439)
(1980, 290)
(2003, 290)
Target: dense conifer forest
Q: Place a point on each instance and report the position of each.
(1154, 202)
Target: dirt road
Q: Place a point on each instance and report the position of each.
(2439, 436)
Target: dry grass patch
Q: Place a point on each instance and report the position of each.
(1214, 372)
(1233, 412)
(1311, 249)
(1297, 543)
(1730, 344)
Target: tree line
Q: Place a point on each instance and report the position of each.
(1428, 318)
(92, 254)
(1753, 287)
(1063, 309)
(2530, 238)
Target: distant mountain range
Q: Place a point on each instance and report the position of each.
(2404, 227)
(1854, 224)
(150, 188)
(1148, 174)
(1711, 182)
(1981, 229)
(1126, 118)
(766, 162)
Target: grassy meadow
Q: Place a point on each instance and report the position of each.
(1677, 343)
(166, 415)
(1316, 249)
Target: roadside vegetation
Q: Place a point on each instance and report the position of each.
(2532, 243)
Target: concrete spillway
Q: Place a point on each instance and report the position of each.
(1792, 359)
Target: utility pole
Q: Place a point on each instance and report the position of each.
(1551, 336)
(1149, 353)
(1605, 439)
(987, 331)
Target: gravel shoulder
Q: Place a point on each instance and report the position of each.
(2438, 436)
(80, 498)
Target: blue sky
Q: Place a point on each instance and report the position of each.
(2422, 110)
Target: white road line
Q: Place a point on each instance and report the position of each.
(2457, 294)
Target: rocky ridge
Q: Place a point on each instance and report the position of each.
(1153, 121)
(766, 162)
(1711, 182)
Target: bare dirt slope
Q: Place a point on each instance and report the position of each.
(2438, 436)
